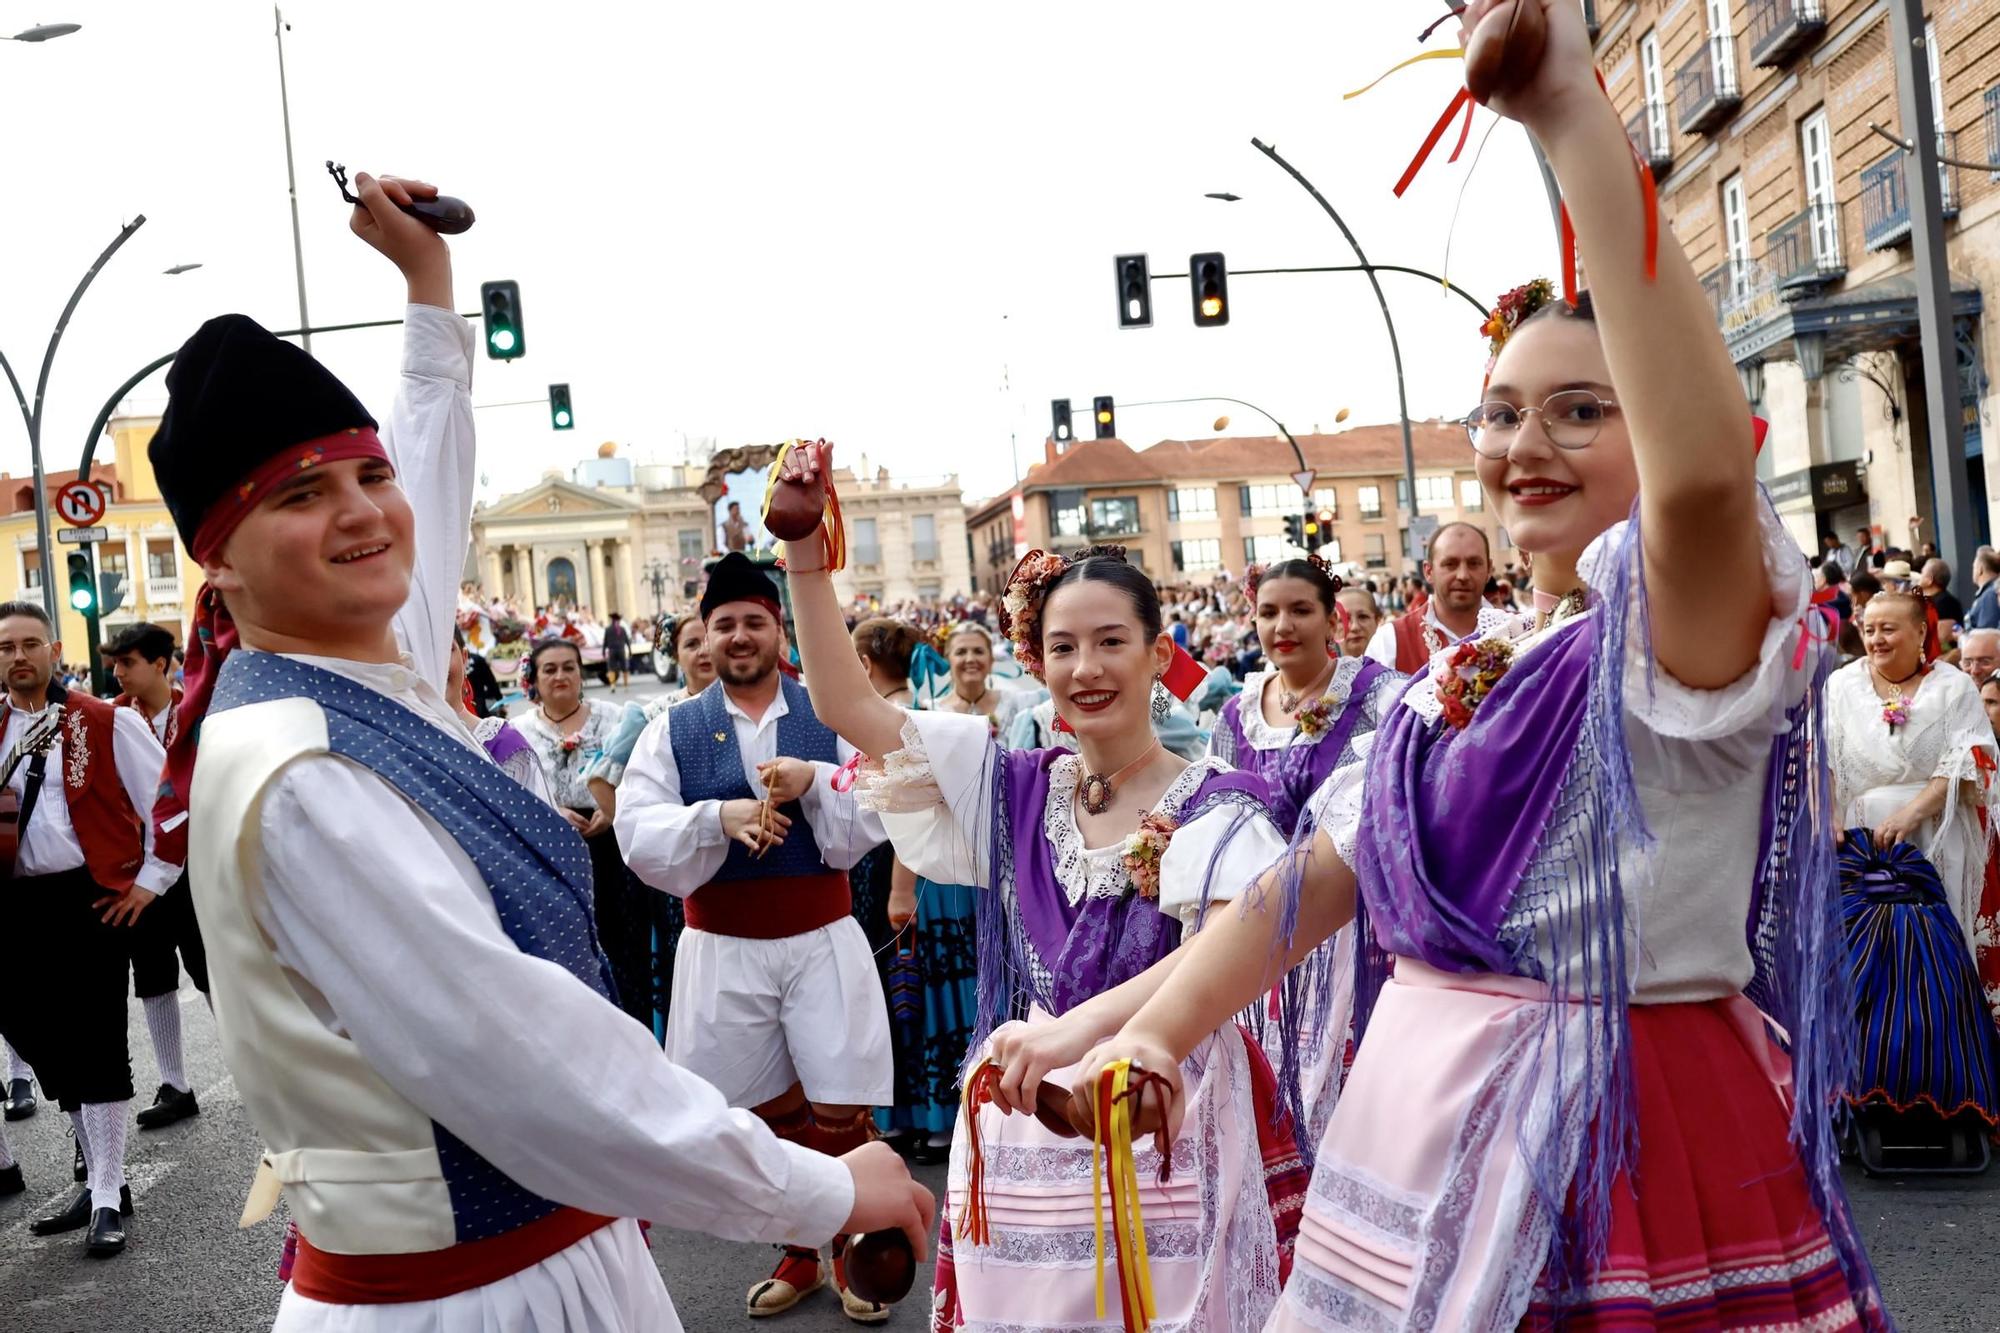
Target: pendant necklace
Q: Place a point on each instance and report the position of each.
(1896, 708)
(1289, 702)
(558, 721)
(1097, 790)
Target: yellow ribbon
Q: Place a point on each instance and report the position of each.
(1113, 1158)
(833, 526)
(1455, 53)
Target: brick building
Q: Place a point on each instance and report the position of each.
(1755, 116)
(1190, 508)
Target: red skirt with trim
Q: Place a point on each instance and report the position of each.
(1722, 1232)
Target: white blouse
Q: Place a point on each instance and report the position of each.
(935, 796)
(1699, 760)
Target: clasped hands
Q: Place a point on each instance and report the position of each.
(760, 825)
(1024, 1054)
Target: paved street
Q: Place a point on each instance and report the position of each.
(190, 1269)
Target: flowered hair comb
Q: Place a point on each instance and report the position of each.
(1256, 574)
(1021, 604)
(1510, 312)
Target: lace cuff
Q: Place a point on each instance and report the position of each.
(900, 782)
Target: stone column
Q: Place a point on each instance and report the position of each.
(493, 586)
(628, 590)
(590, 577)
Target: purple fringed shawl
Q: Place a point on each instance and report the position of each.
(1461, 829)
(1034, 945)
(1296, 770)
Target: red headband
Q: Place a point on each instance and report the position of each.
(237, 502)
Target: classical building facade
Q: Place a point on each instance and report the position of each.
(1755, 117)
(159, 578)
(634, 540)
(1195, 508)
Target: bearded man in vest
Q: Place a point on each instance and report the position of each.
(1460, 561)
(406, 977)
(83, 868)
(730, 803)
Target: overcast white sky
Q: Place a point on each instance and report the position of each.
(755, 221)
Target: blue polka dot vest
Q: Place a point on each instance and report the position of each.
(711, 768)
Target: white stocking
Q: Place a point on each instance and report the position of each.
(6, 1153)
(163, 1020)
(16, 1066)
(104, 1150)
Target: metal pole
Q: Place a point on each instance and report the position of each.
(35, 419)
(1933, 276)
(1389, 320)
(292, 184)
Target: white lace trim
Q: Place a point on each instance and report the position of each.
(486, 728)
(1099, 872)
(902, 782)
(1258, 733)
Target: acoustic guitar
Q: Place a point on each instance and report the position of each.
(38, 739)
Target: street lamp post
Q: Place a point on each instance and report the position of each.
(31, 417)
(1388, 320)
(292, 184)
(656, 574)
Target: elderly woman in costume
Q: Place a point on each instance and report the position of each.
(1309, 712)
(1092, 865)
(1582, 838)
(1913, 753)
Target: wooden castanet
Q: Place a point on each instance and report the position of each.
(881, 1266)
(796, 506)
(1503, 52)
(444, 214)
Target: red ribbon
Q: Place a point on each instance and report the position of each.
(844, 777)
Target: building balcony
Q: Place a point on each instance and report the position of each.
(868, 557)
(163, 592)
(1803, 254)
(1885, 196)
(1706, 87)
(1652, 138)
(1780, 29)
(1715, 286)
(924, 553)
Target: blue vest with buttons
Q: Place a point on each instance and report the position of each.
(533, 862)
(703, 735)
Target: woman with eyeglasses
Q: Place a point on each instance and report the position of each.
(1593, 846)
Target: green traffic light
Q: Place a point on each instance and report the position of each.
(562, 420)
(502, 340)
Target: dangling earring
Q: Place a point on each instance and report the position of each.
(1162, 702)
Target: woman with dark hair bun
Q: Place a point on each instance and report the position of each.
(1308, 713)
(569, 734)
(1094, 865)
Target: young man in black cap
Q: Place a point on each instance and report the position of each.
(406, 979)
(728, 802)
(164, 935)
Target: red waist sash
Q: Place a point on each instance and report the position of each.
(392, 1279)
(771, 909)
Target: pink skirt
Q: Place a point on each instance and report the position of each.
(1419, 1215)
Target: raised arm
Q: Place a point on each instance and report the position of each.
(1682, 401)
(842, 696)
(430, 434)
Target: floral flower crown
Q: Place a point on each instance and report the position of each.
(1021, 604)
(1510, 312)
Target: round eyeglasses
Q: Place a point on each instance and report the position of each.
(1571, 419)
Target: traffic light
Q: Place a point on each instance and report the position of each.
(82, 588)
(1325, 517)
(1135, 292)
(1295, 530)
(500, 306)
(1059, 427)
(1107, 419)
(1311, 528)
(1208, 281)
(560, 417)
